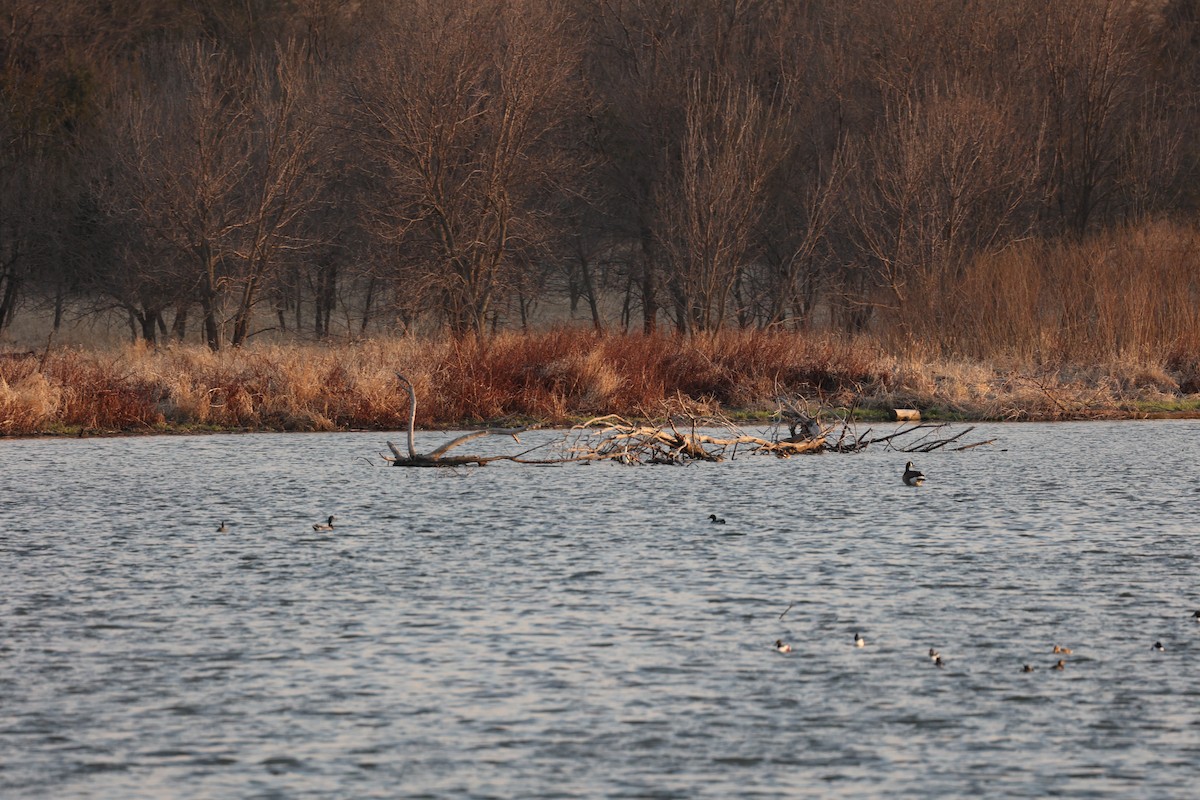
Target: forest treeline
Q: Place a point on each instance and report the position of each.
(970, 176)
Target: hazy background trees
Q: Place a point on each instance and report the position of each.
(210, 170)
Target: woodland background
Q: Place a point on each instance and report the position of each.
(970, 178)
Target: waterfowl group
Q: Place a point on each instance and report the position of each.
(936, 659)
(913, 476)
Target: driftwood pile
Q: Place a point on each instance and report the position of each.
(686, 436)
(688, 433)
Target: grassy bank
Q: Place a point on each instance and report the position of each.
(555, 378)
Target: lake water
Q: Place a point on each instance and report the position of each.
(583, 631)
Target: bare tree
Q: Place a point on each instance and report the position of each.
(182, 149)
(946, 180)
(460, 107)
(1093, 84)
(709, 206)
(282, 177)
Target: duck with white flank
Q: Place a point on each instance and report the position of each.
(912, 476)
(324, 526)
(859, 641)
(1159, 646)
(782, 647)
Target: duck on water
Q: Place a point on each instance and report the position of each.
(912, 476)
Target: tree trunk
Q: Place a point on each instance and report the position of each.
(179, 324)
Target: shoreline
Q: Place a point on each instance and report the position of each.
(737, 418)
(554, 379)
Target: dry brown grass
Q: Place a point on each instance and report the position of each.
(1123, 295)
(553, 377)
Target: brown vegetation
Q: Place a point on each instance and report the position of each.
(987, 210)
(555, 378)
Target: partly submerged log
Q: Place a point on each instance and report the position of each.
(439, 457)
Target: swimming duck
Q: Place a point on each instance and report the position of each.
(324, 526)
(715, 520)
(1061, 664)
(221, 528)
(859, 641)
(1064, 650)
(1196, 614)
(937, 661)
(934, 653)
(1027, 668)
(913, 477)
(781, 647)
(1159, 646)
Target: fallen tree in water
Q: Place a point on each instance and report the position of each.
(689, 434)
(689, 431)
(440, 457)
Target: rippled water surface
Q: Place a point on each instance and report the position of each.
(583, 631)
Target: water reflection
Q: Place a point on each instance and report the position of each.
(585, 631)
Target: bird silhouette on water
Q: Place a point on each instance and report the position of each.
(715, 520)
(324, 526)
(913, 476)
(221, 528)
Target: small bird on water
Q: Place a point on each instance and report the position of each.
(934, 654)
(859, 641)
(937, 661)
(1159, 646)
(1061, 664)
(913, 477)
(1027, 668)
(715, 520)
(1061, 649)
(221, 528)
(782, 647)
(324, 526)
